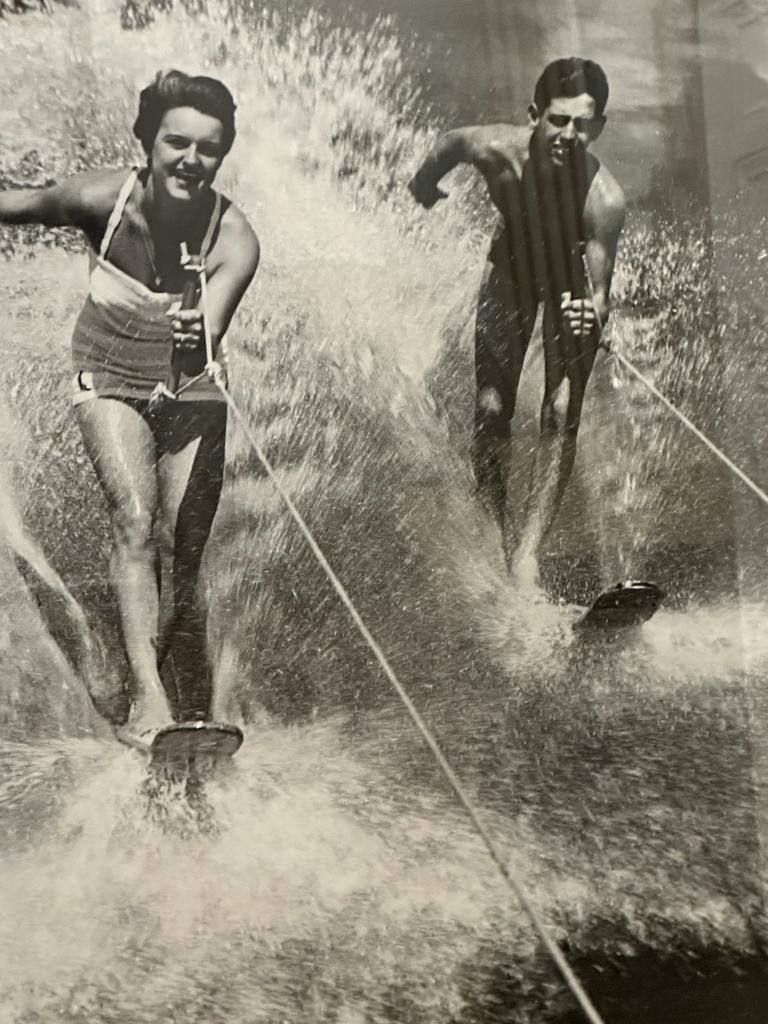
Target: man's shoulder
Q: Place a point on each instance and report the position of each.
(511, 140)
(606, 195)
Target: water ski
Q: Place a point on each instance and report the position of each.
(188, 743)
(626, 605)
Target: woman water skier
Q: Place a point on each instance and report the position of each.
(160, 464)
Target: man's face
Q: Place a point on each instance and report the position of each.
(567, 126)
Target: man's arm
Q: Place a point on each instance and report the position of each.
(603, 221)
(496, 150)
(450, 150)
(600, 254)
(602, 244)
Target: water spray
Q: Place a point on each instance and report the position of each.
(509, 877)
(689, 424)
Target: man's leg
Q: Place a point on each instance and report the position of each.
(568, 364)
(503, 331)
(191, 471)
(122, 450)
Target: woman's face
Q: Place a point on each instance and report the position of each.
(187, 153)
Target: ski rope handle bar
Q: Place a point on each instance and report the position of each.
(169, 390)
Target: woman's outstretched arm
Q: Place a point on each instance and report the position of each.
(72, 203)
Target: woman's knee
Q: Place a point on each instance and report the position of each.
(132, 530)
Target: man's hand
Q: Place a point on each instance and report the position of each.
(425, 193)
(579, 316)
(187, 330)
(605, 343)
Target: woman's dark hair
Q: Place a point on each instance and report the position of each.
(175, 89)
(571, 76)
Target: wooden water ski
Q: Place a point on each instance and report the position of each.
(626, 605)
(189, 743)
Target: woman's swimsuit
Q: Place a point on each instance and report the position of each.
(121, 344)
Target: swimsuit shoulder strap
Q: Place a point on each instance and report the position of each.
(117, 211)
(212, 225)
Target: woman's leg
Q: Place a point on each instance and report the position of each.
(122, 450)
(191, 470)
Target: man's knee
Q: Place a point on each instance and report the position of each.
(489, 402)
(492, 414)
(561, 411)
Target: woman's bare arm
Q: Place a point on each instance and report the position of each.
(233, 263)
(233, 272)
(74, 202)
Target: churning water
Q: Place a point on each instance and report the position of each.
(328, 876)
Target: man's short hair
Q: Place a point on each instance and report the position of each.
(175, 89)
(571, 76)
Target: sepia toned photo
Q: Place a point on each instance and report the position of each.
(384, 512)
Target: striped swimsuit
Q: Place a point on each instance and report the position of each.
(121, 343)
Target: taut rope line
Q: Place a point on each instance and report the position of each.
(736, 470)
(511, 879)
(747, 481)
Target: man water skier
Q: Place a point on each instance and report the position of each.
(555, 244)
(160, 464)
